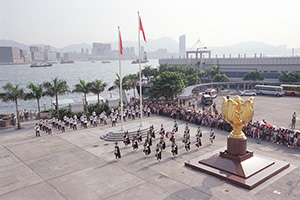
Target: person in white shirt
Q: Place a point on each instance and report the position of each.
(212, 136)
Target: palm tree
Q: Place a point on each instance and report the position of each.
(55, 88)
(133, 79)
(84, 88)
(97, 87)
(216, 70)
(36, 93)
(125, 85)
(13, 93)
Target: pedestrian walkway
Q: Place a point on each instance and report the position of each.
(80, 165)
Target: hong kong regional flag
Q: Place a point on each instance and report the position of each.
(142, 28)
(120, 42)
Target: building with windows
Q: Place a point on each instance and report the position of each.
(236, 67)
(101, 49)
(182, 45)
(12, 55)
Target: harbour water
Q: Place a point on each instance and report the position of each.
(72, 73)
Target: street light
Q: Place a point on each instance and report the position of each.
(51, 103)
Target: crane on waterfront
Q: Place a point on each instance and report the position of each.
(201, 45)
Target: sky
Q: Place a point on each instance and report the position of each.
(215, 22)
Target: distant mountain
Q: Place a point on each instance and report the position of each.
(69, 48)
(249, 48)
(11, 43)
(75, 47)
(152, 45)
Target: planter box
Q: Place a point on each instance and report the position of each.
(45, 115)
(5, 123)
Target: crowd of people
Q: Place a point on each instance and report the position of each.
(205, 117)
(212, 118)
(28, 115)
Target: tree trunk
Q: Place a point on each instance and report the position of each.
(18, 116)
(39, 109)
(57, 109)
(98, 95)
(85, 103)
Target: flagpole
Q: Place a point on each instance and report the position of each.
(121, 89)
(140, 71)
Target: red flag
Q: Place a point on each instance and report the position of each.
(120, 42)
(141, 28)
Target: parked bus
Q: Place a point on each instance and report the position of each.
(293, 90)
(269, 90)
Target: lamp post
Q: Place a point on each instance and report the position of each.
(51, 103)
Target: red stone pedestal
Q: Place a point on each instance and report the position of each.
(246, 170)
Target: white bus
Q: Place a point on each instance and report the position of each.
(269, 90)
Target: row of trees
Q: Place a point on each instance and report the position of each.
(58, 87)
(284, 77)
(168, 81)
(53, 88)
(193, 75)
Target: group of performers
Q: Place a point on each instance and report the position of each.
(161, 145)
(45, 125)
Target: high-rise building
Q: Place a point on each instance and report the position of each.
(101, 49)
(34, 49)
(142, 50)
(12, 55)
(182, 47)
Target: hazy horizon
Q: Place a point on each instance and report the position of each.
(216, 23)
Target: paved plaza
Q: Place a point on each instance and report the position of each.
(79, 165)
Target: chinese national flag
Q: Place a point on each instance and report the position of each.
(120, 42)
(142, 29)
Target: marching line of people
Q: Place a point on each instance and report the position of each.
(161, 145)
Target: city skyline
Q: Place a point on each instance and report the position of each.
(215, 23)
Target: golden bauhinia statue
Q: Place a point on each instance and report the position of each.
(237, 113)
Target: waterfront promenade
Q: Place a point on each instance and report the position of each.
(79, 165)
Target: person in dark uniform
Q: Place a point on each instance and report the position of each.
(162, 130)
(126, 138)
(175, 126)
(149, 138)
(158, 153)
(174, 149)
(117, 152)
(162, 143)
(152, 132)
(198, 138)
(147, 149)
(187, 145)
(139, 136)
(135, 145)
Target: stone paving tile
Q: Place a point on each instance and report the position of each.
(63, 163)
(82, 138)
(6, 157)
(78, 165)
(144, 191)
(40, 147)
(16, 176)
(40, 191)
(98, 182)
